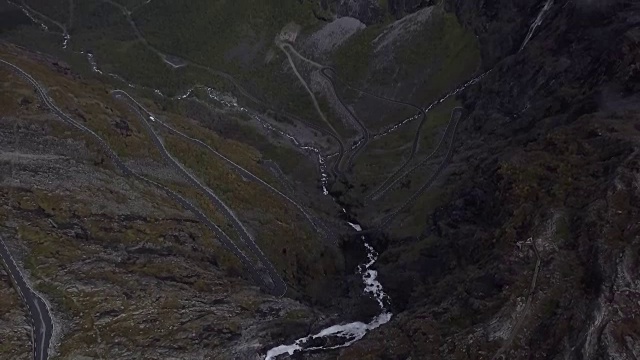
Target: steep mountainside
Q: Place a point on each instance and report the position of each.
(405, 179)
(535, 250)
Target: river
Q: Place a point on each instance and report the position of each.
(343, 335)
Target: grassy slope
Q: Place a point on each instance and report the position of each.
(278, 223)
(434, 59)
(295, 251)
(16, 338)
(442, 55)
(449, 51)
(215, 27)
(208, 32)
(57, 10)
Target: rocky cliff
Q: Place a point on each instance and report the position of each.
(372, 12)
(524, 245)
(535, 254)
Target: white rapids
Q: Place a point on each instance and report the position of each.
(356, 227)
(231, 102)
(346, 333)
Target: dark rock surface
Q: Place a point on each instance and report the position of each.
(550, 151)
(534, 251)
(372, 12)
(367, 11)
(399, 8)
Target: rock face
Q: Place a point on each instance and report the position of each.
(367, 11)
(529, 243)
(399, 8)
(535, 254)
(501, 25)
(95, 241)
(372, 12)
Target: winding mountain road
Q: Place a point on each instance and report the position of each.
(380, 192)
(389, 218)
(338, 163)
(416, 140)
(366, 136)
(279, 286)
(242, 171)
(127, 13)
(41, 318)
(222, 237)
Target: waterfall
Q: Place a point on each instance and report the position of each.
(346, 334)
(536, 23)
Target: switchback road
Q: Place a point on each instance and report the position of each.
(336, 167)
(242, 171)
(279, 286)
(41, 318)
(222, 237)
(457, 113)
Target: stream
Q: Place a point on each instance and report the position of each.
(335, 336)
(231, 102)
(343, 335)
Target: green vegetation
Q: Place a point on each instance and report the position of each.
(11, 18)
(89, 102)
(46, 245)
(413, 220)
(57, 10)
(444, 51)
(460, 57)
(96, 21)
(290, 161)
(372, 169)
(238, 152)
(59, 296)
(389, 152)
(352, 58)
(206, 31)
(33, 37)
(433, 129)
(247, 146)
(280, 229)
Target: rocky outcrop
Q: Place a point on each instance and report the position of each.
(528, 247)
(367, 11)
(400, 8)
(550, 151)
(372, 12)
(500, 25)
